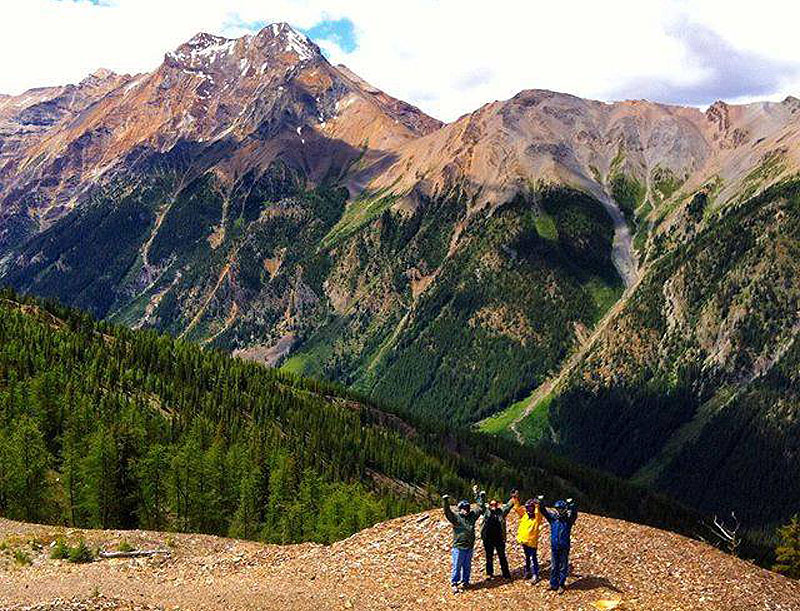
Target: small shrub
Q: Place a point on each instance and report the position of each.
(80, 553)
(59, 551)
(22, 558)
(124, 546)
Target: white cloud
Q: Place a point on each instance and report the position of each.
(446, 56)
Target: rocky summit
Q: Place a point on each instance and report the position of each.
(617, 565)
(618, 282)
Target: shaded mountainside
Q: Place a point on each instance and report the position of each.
(107, 427)
(402, 563)
(693, 385)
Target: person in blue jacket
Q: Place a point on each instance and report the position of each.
(561, 521)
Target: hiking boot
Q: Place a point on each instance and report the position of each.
(455, 589)
(535, 580)
(560, 590)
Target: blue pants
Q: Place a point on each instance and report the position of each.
(531, 562)
(559, 567)
(462, 566)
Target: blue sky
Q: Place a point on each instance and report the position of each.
(447, 56)
(340, 32)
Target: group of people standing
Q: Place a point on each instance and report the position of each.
(493, 534)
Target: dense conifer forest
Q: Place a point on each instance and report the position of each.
(101, 426)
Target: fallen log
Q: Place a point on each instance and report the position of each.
(137, 553)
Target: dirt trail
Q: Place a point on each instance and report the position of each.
(400, 564)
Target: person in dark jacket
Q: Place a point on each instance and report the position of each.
(561, 521)
(493, 535)
(463, 522)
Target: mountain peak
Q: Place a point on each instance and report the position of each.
(99, 76)
(292, 41)
(102, 73)
(201, 48)
(204, 40)
(274, 40)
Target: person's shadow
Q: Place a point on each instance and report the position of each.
(592, 582)
(516, 575)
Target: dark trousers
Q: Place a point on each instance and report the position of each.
(490, 547)
(560, 566)
(531, 562)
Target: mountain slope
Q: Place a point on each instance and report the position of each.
(695, 379)
(220, 210)
(613, 561)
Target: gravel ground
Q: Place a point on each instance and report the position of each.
(400, 564)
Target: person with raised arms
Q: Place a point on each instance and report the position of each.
(493, 535)
(561, 521)
(530, 524)
(463, 521)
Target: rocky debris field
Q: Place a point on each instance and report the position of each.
(400, 564)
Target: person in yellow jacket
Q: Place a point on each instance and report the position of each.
(530, 523)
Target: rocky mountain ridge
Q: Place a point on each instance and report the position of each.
(235, 93)
(615, 565)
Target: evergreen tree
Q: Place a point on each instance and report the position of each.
(29, 459)
(787, 554)
(100, 475)
(153, 471)
(246, 521)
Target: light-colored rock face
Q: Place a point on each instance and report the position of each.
(273, 95)
(264, 96)
(552, 137)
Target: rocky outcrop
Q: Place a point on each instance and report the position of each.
(615, 565)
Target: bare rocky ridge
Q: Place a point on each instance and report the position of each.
(403, 563)
(543, 136)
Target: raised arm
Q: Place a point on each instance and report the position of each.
(545, 512)
(573, 513)
(515, 504)
(483, 509)
(448, 513)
